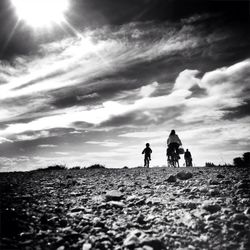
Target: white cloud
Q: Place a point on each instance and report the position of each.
(2, 140)
(187, 79)
(226, 88)
(144, 134)
(104, 143)
(196, 109)
(29, 137)
(76, 60)
(147, 90)
(47, 146)
(62, 153)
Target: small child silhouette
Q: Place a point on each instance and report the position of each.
(147, 155)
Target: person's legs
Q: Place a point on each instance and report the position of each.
(147, 160)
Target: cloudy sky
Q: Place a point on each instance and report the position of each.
(107, 76)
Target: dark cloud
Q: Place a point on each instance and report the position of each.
(124, 120)
(122, 11)
(238, 112)
(27, 143)
(96, 13)
(198, 92)
(143, 119)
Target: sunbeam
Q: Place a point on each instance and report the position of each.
(10, 37)
(89, 42)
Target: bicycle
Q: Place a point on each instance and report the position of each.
(189, 162)
(173, 159)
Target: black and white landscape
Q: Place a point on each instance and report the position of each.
(85, 85)
(90, 81)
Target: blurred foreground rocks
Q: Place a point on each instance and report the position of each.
(124, 209)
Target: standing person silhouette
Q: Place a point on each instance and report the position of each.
(188, 158)
(173, 142)
(147, 155)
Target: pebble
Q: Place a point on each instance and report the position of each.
(61, 248)
(147, 248)
(77, 209)
(211, 207)
(132, 197)
(213, 182)
(177, 215)
(140, 218)
(86, 246)
(203, 190)
(247, 211)
(171, 178)
(183, 175)
(220, 176)
(214, 192)
(190, 205)
(154, 200)
(133, 238)
(155, 243)
(239, 217)
(238, 226)
(118, 204)
(115, 195)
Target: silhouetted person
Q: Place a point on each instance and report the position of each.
(147, 155)
(173, 142)
(188, 158)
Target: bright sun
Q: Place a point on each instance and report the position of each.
(41, 13)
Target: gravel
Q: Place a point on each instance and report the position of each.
(148, 209)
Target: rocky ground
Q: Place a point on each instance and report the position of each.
(143, 209)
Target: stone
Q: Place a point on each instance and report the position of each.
(247, 211)
(118, 204)
(133, 238)
(78, 209)
(86, 246)
(190, 205)
(203, 190)
(153, 201)
(214, 192)
(171, 178)
(220, 176)
(114, 195)
(140, 218)
(239, 217)
(213, 182)
(155, 243)
(238, 226)
(61, 248)
(183, 175)
(132, 198)
(147, 247)
(211, 207)
(227, 182)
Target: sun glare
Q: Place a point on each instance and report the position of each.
(41, 13)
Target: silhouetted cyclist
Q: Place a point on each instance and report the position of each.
(173, 142)
(147, 155)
